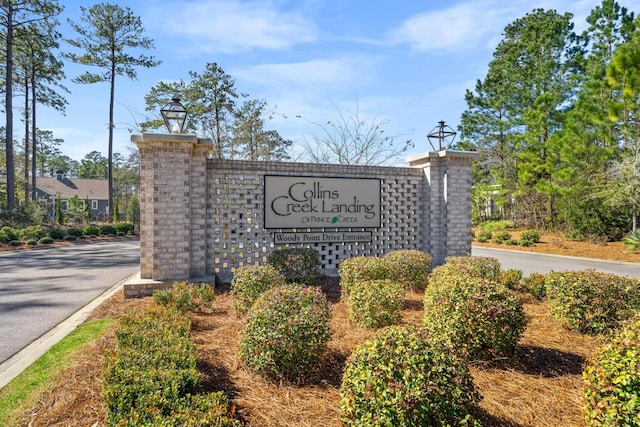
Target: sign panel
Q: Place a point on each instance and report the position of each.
(328, 237)
(319, 202)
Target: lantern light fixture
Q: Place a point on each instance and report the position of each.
(441, 132)
(174, 116)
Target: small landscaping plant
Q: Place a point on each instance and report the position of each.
(496, 225)
(529, 238)
(480, 318)
(7, 234)
(108, 230)
(33, 232)
(611, 388)
(249, 282)
(399, 378)
(376, 303)
(77, 232)
(510, 278)
(69, 238)
(45, 241)
(286, 332)
(475, 266)
(56, 234)
(187, 297)
(297, 265)
(632, 241)
(91, 230)
(484, 236)
(123, 228)
(534, 284)
(592, 302)
(410, 267)
(501, 237)
(361, 269)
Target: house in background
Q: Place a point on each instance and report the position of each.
(96, 191)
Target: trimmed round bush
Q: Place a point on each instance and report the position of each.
(69, 238)
(592, 302)
(611, 387)
(15, 243)
(77, 232)
(33, 232)
(474, 266)
(501, 237)
(483, 236)
(410, 267)
(56, 234)
(399, 378)
(297, 265)
(91, 230)
(529, 236)
(45, 241)
(480, 318)
(31, 242)
(249, 282)
(286, 332)
(376, 303)
(362, 269)
(7, 234)
(108, 230)
(510, 278)
(123, 228)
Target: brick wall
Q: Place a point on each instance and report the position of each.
(202, 217)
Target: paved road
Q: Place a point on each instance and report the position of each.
(530, 262)
(41, 287)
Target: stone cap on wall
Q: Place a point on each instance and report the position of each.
(168, 137)
(423, 158)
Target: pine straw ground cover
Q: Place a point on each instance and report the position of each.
(539, 387)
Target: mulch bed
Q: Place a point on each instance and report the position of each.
(539, 387)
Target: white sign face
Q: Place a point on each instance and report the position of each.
(319, 202)
(329, 237)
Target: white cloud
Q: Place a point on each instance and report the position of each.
(229, 26)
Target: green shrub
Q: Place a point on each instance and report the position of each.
(376, 303)
(186, 296)
(410, 267)
(297, 265)
(476, 266)
(15, 243)
(286, 332)
(362, 269)
(484, 236)
(31, 242)
(501, 237)
(249, 282)
(56, 234)
(45, 241)
(69, 238)
(611, 387)
(510, 278)
(91, 230)
(7, 234)
(632, 241)
(529, 236)
(399, 378)
(592, 302)
(496, 225)
(481, 318)
(123, 228)
(108, 230)
(534, 283)
(575, 235)
(77, 232)
(33, 232)
(511, 242)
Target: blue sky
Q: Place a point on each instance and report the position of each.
(405, 63)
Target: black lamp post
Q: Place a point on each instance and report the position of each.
(174, 116)
(441, 132)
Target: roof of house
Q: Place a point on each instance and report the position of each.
(92, 189)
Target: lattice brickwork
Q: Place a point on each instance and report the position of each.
(235, 234)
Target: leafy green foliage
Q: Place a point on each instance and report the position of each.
(187, 296)
(57, 233)
(123, 228)
(286, 332)
(611, 388)
(534, 283)
(399, 378)
(510, 278)
(77, 232)
(497, 225)
(7, 234)
(376, 303)
(108, 230)
(592, 302)
(475, 266)
(45, 241)
(91, 230)
(480, 318)
(69, 238)
(361, 269)
(297, 265)
(529, 237)
(33, 232)
(249, 282)
(484, 236)
(632, 241)
(410, 267)
(501, 237)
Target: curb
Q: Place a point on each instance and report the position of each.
(20, 361)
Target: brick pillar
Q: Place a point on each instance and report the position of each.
(172, 205)
(446, 202)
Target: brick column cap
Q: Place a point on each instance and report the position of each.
(168, 137)
(424, 158)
